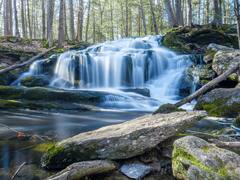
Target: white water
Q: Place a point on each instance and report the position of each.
(126, 63)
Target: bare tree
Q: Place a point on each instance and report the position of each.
(87, 23)
(17, 33)
(126, 18)
(50, 13)
(71, 21)
(237, 14)
(190, 12)
(153, 17)
(143, 17)
(170, 13)
(29, 20)
(43, 20)
(61, 25)
(80, 21)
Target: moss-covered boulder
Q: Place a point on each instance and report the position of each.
(220, 102)
(202, 73)
(121, 141)
(48, 94)
(33, 81)
(223, 60)
(186, 39)
(194, 158)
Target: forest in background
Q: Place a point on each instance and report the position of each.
(100, 20)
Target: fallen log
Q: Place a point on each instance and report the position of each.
(25, 63)
(203, 89)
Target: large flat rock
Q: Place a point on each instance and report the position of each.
(195, 158)
(120, 141)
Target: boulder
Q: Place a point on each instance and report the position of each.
(186, 39)
(223, 60)
(203, 73)
(33, 81)
(218, 47)
(121, 141)
(141, 91)
(83, 169)
(220, 102)
(195, 158)
(135, 170)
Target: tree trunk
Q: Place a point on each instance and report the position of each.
(50, 13)
(17, 34)
(61, 33)
(7, 15)
(170, 13)
(178, 5)
(43, 20)
(237, 14)
(24, 34)
(217, 19)
(71, 25)
(143, 17)
(153, 17)
(111, 16)
(87, 23)
(29, 20)
(126, 18)
(80, 21)
(190, 12)
(65, 22)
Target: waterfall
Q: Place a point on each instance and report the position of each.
(123, 64)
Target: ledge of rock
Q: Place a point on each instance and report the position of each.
(120, 141)
(194, 158)
(85, 168)
(220, 102)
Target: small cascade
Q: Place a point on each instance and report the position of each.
(124, 64)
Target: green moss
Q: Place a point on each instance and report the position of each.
(167, 108)
(44, 147)
(52, 153)
(9, 104)
(182, 160)
(205, 149)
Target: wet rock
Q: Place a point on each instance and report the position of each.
(121, 141)
(237, 121)
(223, 60)
(136, 170)
(167, 108)
(217, 47)
(35, 81)
(195, 158)
(220, 102)
(83, 169)
(203, 73)
(141, 91)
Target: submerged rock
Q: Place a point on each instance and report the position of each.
(121, 141)
(195, 158)
(83, 169)
(220, 102)
(135, 170)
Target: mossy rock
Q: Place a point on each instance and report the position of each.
(167, 108)
(178, 39)
(237, 121)
(33, 81)
(220, 102)
(194, 158)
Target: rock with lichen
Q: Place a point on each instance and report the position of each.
(220, 102)
(195, 158)
(121, 141)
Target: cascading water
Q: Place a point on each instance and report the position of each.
(124, 64)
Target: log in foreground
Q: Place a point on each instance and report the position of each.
(25, 63)
(121, 141)
(233, 68)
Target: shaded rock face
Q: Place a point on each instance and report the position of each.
(188, 39)
(33, 81)
(82, 169)
(223, 60)
(204, 73)
(195, 158)
(220, 102)
(121, 141)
